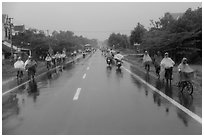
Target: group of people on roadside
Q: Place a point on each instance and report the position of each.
(161, 64)
(54, 60)
(29, 66)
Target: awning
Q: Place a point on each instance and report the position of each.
(9, 45)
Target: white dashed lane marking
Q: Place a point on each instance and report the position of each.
(84, 76)
(76, 96)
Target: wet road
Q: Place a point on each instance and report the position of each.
(90, 98)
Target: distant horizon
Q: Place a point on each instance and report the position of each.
(91, 20)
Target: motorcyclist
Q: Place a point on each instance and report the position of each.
(118, 58)
(166, 63)
(112, 52)
(84, 54)
(19, 65)
(147, 60)
(184, 70)
(30, 66)
(48, 60)
(109, 57)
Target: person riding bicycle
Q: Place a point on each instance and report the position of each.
(53, 60)
(157, 61)
(58, 59)
(166, 64)
(30, 66)
(184, 70)
(19, 65)
(63, 56)
(48, 59)
(147, 60)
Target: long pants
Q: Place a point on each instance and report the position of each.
(19, 73)
(147, 67)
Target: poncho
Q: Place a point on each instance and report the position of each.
(19, 65)
(167, 62)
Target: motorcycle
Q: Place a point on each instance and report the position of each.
(118, 64)
(84, 55)
(109, 62)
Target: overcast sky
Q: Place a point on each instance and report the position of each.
(92, 20)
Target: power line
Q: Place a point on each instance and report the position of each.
(101, 31)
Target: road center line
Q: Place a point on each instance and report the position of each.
(187, 111)
(76, 96)
(84, 76)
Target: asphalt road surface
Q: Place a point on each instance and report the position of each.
(89, 98)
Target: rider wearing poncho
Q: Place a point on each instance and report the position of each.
(166, 63)
(185, 71)
(147, 60)
(20, 66)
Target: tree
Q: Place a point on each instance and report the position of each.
(137, 34)
(118, 41)
(181, 37)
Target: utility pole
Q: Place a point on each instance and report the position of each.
(50, 49)
(10, 27)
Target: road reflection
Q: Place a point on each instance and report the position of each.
(183, 99)
(168, 91)
(33, 90)
(108, 71)
(119, 73)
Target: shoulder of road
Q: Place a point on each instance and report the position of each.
(136, 60)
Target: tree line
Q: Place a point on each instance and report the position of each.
(180, 36)
(40, 43)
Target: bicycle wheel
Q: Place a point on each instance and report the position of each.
(188, 87)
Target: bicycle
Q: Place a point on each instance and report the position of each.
(31, 73)
(185, 84)
(147, 67)
(168, 74)
(19, 74)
